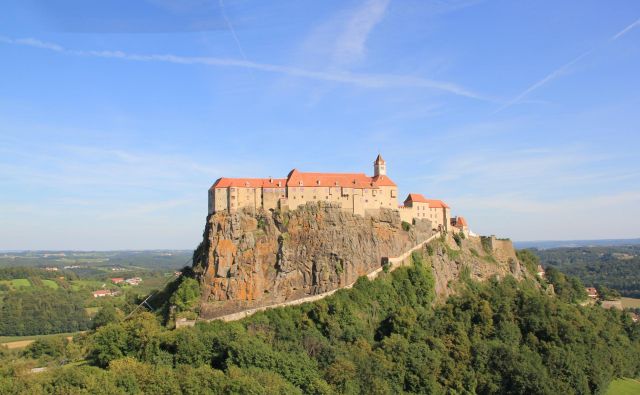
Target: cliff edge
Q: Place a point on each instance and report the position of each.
(251, 259)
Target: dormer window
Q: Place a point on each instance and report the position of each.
(300, 183)
(317, 182)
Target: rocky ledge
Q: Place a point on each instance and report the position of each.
(254, 259)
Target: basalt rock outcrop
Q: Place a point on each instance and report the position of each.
(479, 258)
(254, 259)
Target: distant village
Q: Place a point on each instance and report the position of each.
(133, 281)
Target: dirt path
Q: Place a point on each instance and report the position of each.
(23, 343)
(17, 344)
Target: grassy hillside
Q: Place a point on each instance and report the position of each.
(624, 387)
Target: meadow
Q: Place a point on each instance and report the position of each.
(624, 387)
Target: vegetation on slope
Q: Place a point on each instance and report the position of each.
(603, 267)
(381, 337)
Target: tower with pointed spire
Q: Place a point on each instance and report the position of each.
(379, 167)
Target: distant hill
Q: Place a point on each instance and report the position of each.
(547, 244)
(153, 259)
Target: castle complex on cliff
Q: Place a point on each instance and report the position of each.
(356, 193)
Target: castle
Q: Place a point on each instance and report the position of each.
(356, 193)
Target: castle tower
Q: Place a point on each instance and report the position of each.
(379, 167)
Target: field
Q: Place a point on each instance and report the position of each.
(50, 283)
(631, 303)
(624, 387)
(15, 342)
(16, 283)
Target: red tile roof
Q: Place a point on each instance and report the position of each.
(349, 180)
(418, 198)
(297, 178)
(460, 222)
(249, 182)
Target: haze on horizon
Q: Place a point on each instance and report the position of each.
(118, 116)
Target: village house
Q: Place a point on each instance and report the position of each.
(592, 292)
(133, 281)
(355, 192)
(460, 223)
(103, 292)
(117, 280)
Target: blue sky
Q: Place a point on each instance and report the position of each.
(116, 117)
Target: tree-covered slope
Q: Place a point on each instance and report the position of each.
(612, 267)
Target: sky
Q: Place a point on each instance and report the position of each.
(116, 117)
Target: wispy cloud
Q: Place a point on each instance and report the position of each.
(351, 43)
(562, 70)
(626, 30)
(357, 79)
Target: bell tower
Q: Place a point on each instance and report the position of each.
(379, 167)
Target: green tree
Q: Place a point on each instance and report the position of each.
(187, 294)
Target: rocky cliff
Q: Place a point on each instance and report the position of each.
(479, 258)
(253, 259)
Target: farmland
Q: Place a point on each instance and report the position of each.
(53, 292)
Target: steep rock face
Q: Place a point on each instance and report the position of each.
(480, 262)
(249, 260)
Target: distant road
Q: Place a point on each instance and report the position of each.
(547, 244)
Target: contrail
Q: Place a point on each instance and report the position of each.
(366, 80)
(563, 69)
(626, 30)
(232, 30)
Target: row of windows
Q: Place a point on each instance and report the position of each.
(326, 190)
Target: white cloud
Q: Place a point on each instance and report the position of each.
(358, 79)
(351, 43)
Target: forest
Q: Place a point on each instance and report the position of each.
(37, 301)
(387, 336)
(611, 267)
(42, 311)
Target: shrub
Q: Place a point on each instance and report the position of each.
(430, 250)
(457, 239)
(406, 226)
(187, 294)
